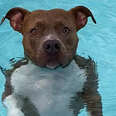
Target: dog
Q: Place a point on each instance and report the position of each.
(51, 80)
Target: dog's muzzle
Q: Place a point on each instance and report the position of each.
(51, 47)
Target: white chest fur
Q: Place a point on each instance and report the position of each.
(49, 90)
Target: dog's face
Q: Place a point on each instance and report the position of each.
(49, 36)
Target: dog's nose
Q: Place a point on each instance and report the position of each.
(51, 47)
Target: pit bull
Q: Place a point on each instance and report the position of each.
(51, 80)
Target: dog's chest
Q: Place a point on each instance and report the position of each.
(49, 89)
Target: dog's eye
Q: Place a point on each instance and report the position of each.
(34, 30)
(66, 30)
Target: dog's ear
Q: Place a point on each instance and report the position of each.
(81, 15)
(16, 17)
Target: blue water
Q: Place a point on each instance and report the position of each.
(97, 41)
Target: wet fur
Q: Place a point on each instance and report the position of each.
(81, 98)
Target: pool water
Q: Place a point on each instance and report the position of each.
(96, 40)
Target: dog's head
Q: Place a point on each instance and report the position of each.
(49, 36)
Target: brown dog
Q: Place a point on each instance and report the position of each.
(53, 80)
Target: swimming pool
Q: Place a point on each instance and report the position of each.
(97, 41)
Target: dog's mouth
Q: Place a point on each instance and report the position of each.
(53, 63)
(52, 66)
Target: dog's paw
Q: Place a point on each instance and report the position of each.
(15, 112)
(12, 105)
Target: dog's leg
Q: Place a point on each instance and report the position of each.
(94, 105)
(13, 105)
(76, 104)
(90, 95)
(29, 109)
